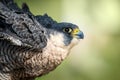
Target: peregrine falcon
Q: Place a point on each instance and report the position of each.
(31, 46)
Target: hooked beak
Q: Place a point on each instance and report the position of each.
(78, 34)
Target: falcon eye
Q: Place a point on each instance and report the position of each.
(68, 30)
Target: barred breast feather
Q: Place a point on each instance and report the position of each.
(21, 37)
(32, 45)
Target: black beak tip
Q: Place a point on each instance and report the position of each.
(81, 35)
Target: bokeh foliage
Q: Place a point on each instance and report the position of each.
(97, 57)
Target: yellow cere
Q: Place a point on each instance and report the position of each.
(75, 31)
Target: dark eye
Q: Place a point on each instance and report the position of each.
(68, 30)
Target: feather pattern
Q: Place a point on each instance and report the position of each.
(25, 28)
(31, 46)
(21, 37)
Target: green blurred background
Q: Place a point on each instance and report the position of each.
(97, 57)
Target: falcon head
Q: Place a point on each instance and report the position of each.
(70, 32)
(65, 34)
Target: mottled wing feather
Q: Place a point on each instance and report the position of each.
(20, 35)
(21, 27)
(11, 4)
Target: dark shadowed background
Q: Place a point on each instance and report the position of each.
(97, 57)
